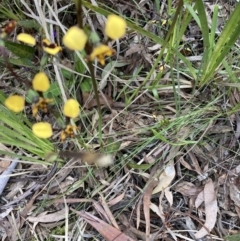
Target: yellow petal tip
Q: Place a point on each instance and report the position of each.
(71, 108)
(115, 27)
(75, 39)
(15, 103)
(42, 130)
(26, 38)
(41, 82)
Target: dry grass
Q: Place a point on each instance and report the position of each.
(162, 128)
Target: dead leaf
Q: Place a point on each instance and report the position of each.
(165, 178)
(190, 226)
(158, 209)
(13, 222)
(108, 211)
(161, 207)
(155, 209)
(6, 229)
(98, 207)
(195, 163)
(124, 145)
(234, 194)
(62, 174)
(133, 48)
(130, 230)
(49, 218)
(27, 208)
(154, 47)
(238, 211)
(210, 210)
(5, 162)
(90, 102)
(146, 205)
(107, 231)
(199, 200)
(168, 195)
(101, 19)
(138, 213)
(6, 213)
(116, 199)
(172, 234)
(187, 188)
(184, 163)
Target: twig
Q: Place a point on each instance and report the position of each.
(4, 177)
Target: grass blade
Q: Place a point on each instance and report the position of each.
(226, 40)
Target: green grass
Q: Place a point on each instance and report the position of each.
(191, 97)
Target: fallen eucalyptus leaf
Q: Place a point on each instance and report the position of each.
(210, 210)
(165, 178)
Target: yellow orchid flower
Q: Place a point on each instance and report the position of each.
(27, 39)
(75, 39)
(71, 108)
(42, 105)
(41, 82)
(100, 52)
(115, 27)
(15, 103)
(68, 132)
(42, 130)
(51, 48)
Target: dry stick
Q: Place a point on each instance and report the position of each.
(34, 188)
(88, 49)
(4, 177)
(44, 179)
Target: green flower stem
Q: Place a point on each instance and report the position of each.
(88, 50)
(79, 13)
(95, 88)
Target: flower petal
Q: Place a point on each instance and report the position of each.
(52, 51)
(15, 103)
(42, 129)
(71, 108)
(51, 48)
(26, 38)
(41, 82)
(100, 52)
(75, 39)
(115, 27)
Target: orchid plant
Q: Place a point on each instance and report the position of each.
(76, 38)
